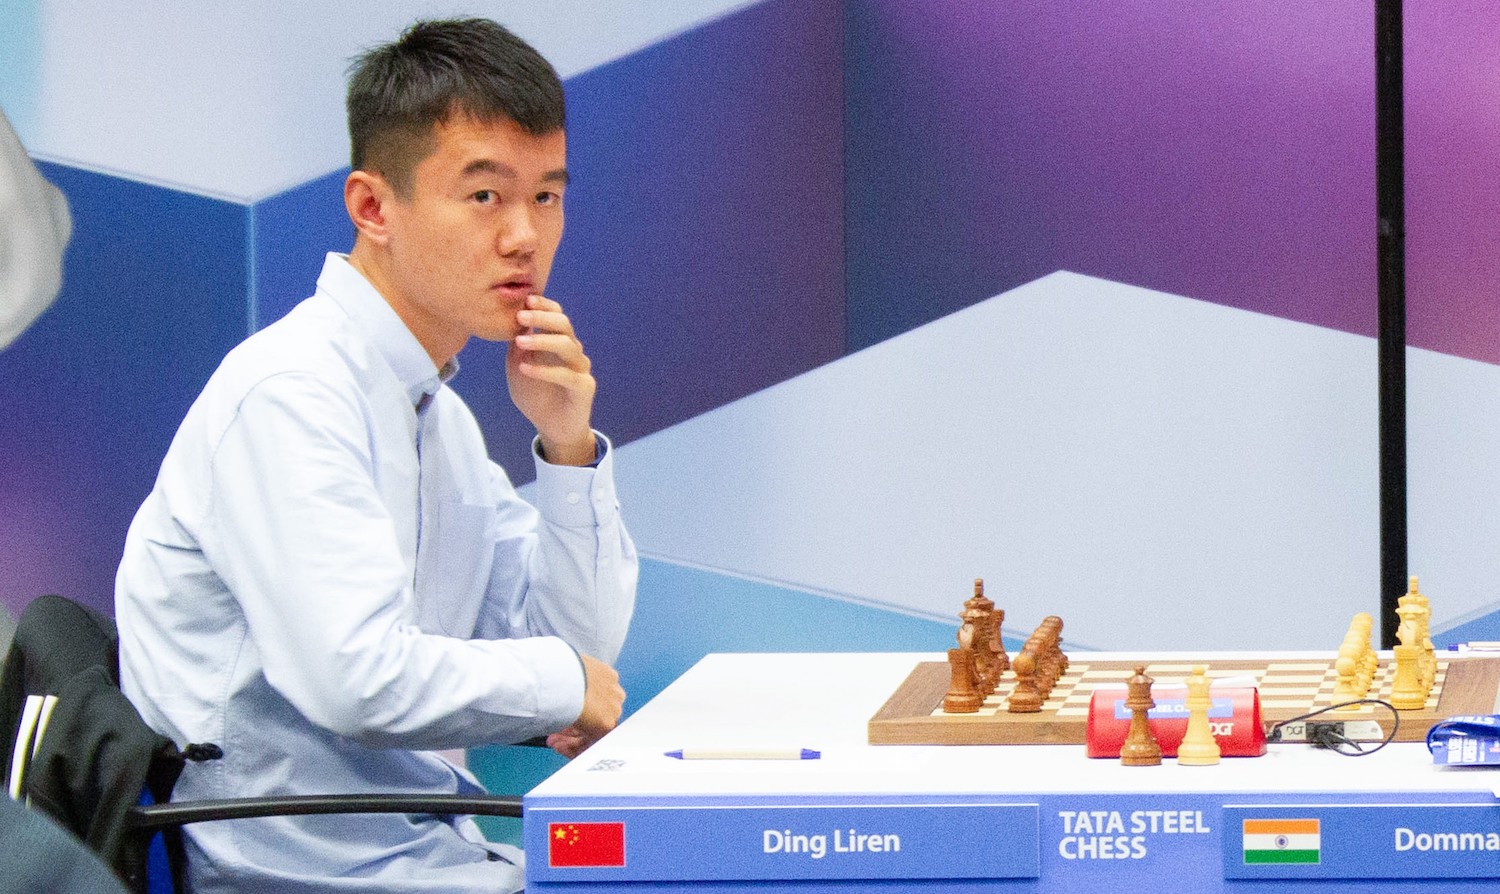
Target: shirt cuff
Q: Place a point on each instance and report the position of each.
(577, 496)
(560, 681)
(601, 444)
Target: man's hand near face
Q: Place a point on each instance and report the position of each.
(551, 384)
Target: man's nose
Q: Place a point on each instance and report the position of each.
(518, 232)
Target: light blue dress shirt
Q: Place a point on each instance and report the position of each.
(330, 583)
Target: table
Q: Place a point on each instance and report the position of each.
(624, 816)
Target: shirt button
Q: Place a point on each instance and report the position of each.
(573, 497)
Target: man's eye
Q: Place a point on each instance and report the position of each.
(548, 198)
(485, 196)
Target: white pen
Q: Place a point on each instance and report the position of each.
(745, 754)
(1478, 646)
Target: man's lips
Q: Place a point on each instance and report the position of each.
(517, 289)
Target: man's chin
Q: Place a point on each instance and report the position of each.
(500, 332)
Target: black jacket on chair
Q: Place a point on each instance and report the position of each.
(97, 756)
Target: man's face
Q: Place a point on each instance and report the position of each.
(477, 233)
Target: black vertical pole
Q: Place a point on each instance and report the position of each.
(1390, 188)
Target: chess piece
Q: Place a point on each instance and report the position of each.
(973, 636)
(1369, 659)
(979, 613)
(990, 655)
(1047, 660)
(1199, 748)
(1414, 595)
(1345, 691)
(1057, 640)
(979, 600)
(1412, 683)
(997, 644)
(1035, 648)
(1420, 615)
(1406, 689)
(963, 695)
(1141, 748)
(1407, 693)
(1353, 682)
(1050, 661)
(1427, 664)
(1025, 698)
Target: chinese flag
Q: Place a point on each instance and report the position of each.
(585, 844)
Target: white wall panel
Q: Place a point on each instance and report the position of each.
(244, 100)
(1159, 471)
(1453, 483)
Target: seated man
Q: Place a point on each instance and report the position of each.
(330, 579)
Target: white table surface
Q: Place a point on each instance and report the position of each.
(825, 701)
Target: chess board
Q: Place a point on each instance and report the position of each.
(1288, 688)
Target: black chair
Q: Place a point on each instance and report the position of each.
(39, 855)
(80, 753)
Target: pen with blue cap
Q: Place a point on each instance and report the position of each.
(745, 754)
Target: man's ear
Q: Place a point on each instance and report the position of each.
(367, 197)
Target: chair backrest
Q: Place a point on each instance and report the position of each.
(37, 855)
(76, 749)
(7, 629)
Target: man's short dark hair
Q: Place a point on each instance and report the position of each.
(400, 91)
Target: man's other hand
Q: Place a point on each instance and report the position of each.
(603, 701)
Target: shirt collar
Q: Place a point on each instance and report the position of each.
(378, 320)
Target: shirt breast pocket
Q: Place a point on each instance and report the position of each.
(454, 559)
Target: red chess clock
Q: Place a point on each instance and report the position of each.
(1234, 720)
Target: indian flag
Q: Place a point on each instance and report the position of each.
(1282, 841)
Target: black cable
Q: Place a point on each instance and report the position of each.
(1336, 741)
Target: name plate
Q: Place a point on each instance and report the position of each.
(915, 839)
(1233, 718)
(1375, 841)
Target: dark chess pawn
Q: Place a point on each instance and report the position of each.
(1025, 698)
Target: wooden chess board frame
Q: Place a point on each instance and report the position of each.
(1288, 688)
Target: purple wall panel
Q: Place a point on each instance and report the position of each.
(153, 296)
(1452, 63)
(1214, 148)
